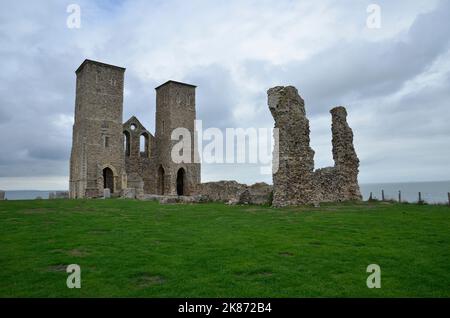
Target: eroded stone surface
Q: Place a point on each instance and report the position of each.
(232, 192)
(344, 155)
(258, 193)
(295, 181)
(128, 193)
(175, 199)
(222, 191)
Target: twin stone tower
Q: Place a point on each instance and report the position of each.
(110, 154)
(126, 157)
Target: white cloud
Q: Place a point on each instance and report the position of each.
(234, 51)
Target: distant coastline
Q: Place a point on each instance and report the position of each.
(432, 191)
(27, 194)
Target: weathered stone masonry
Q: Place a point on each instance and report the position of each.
(344, 155)
(109, 156)
(97, 159)
(295, 182)
(125, 157)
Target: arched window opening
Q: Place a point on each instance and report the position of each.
(106, 141)
(126, 145)
(143, 145)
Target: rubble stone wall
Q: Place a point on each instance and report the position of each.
(233, 192)
(346, 161)
(295, 181)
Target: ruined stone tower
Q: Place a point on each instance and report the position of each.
(175, 108)
(97, 160)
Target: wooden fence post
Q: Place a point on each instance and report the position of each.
(399, 196)
(448, 194)
(420, 197)
(371, 198)
(382, 195)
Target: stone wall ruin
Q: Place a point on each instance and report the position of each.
(232, 192)
(295, 182)
(133, 163)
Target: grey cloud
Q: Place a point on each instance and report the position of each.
(141, 99)
(216, 95)
(4, 116)
(49, 152)
(362, 68)
(38, 56)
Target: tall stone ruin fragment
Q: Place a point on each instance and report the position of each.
(346, 161)
(293, 182)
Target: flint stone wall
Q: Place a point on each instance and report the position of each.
(233, 192)
(174, 199)
(346, 161)
(295, 181)
(128, 193)
(328, 184)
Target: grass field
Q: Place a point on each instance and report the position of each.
(143, 249)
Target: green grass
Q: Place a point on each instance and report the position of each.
(143, 249)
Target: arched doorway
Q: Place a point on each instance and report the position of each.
(108, 179)
(181, 182)
(161, 180)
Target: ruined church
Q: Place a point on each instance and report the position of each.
(110, 157)
(110, 154)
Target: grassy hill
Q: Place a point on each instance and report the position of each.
(143, 249)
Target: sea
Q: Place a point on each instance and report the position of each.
(432, 192)
(26, 194)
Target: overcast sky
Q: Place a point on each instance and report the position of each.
(393, 80)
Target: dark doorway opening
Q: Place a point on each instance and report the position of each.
(181, 182)
(108, 179)
(161, 180)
